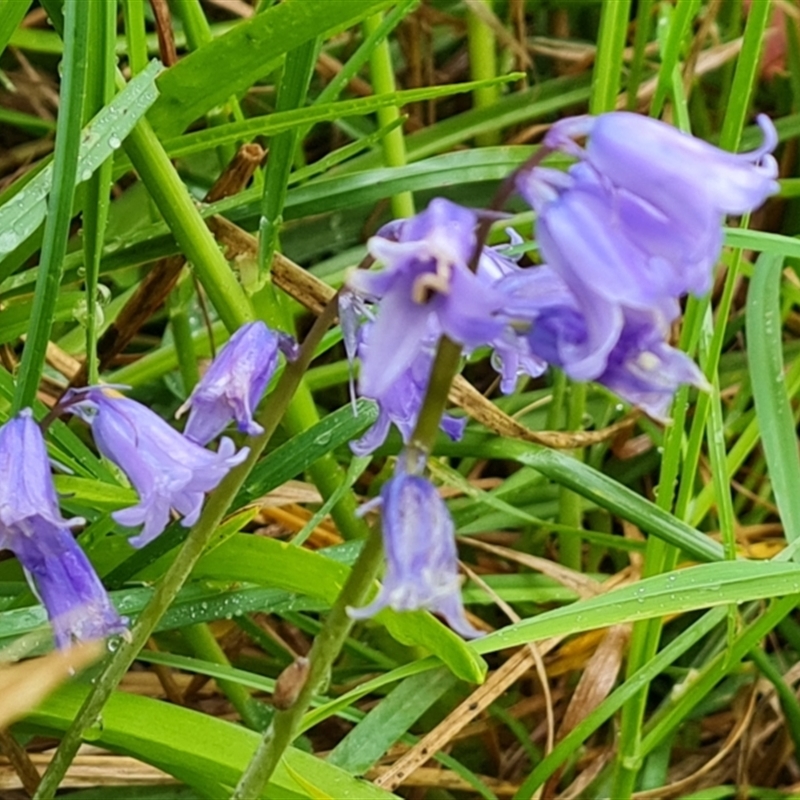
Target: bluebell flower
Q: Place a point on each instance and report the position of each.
(426, 288)
(636, 223)
(422, 562)
(401, 402)
(168, 470)
(235, 382)
(31, 526)
(640, 365)
(669, 168)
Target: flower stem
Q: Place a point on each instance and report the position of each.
(444, 369)
(180, 569)
(327, 645)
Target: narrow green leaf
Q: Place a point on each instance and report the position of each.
(608, 66)
(233, 62)
(13, 13)
(22, 215)
(59, 207)
(285, 120)
(292, 457)
(704, 586)
(388, 721)
(773, 409)
(297, 72)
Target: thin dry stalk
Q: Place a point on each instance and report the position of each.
(481, 698)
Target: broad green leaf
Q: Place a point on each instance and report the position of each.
(95, 494)
(203, 751)
(269, 562)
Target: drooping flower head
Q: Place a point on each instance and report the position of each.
(641, 366)
(422, 562)
(640, 215)
(31, 526)
(637, 222)
(235, 382)
(400, 405)
(168, 470)
(426, 288)
(401, 401)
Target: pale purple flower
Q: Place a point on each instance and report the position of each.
(640, 366)
(169, 471)
(645, 370)
(636, 223)
(426, 288)
(31, 526)
(422, 561)
(669, 168)
(235, 382)
(401, 402)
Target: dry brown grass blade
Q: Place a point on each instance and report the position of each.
(596, 682)
(538, 661)
(679, 788)
(598, 678)
(495, 685)
(20, 762)
(95, 769)
(480, 408)
(307, 289)
(434, 778)
(165, 33)
(24, 685)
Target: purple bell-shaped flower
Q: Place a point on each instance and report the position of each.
(426, 288)
(31, 526)
(168, 470)
(421, 557)
(233, 385)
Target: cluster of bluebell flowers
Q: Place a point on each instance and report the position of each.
(170, 471)
(633, 226)
(625, 233)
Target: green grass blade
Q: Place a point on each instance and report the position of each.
(22, 214)
(608, 66)
(59, 207)
(297, 73)
(773, 409)
(704, 586)
(233, 62)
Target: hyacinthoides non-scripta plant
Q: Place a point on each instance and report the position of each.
(601, 308)
(628, 229)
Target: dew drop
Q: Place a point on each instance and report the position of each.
(8, 241)
(94, 731)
